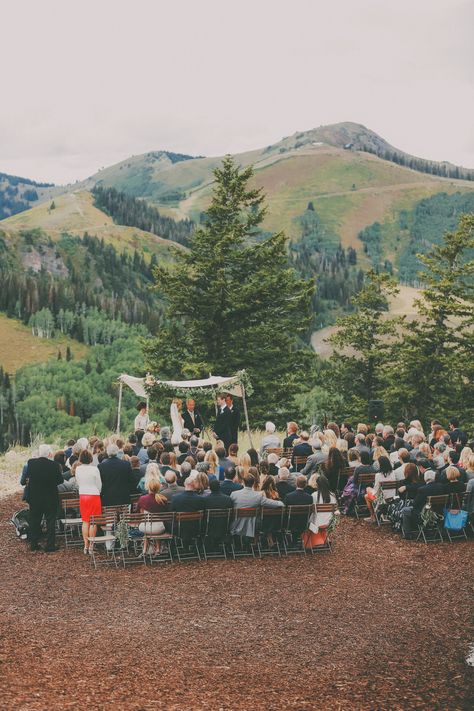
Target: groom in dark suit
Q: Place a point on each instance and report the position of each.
(223, 424)
(192, 419)
(234, 419)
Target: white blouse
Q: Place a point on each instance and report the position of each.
(141, 422)
(88, 480)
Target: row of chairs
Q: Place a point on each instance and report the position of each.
(129, 537)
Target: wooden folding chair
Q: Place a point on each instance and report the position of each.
(342, 479)
(247, 546)
(360, 507)
(188, 531)
(216, 537)
(299, 463)
(71, 524)
(275, 450)
(165, 539)
(107, 523)
(433, 533)
(326, 546)
(271, 523)
(295, 524)
(389, 489)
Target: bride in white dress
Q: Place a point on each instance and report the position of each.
(176, 420)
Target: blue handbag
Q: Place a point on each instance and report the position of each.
(455, 519)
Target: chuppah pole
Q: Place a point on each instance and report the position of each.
(119, 406)
(244, 401)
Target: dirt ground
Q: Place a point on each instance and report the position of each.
(378, 624)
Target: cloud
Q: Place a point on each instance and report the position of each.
(88, 88)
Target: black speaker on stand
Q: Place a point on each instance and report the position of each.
(376, 410)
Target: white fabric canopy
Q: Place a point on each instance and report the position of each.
(138, 384)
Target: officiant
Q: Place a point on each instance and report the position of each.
(192, 419)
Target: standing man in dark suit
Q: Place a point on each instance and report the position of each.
(43, 477)
(117, 477)
(222, 426)
(192, 419)
(234, 419)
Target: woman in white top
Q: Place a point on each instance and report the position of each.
(90, 485)
(385, 474)
(321, 496)
(142, 419)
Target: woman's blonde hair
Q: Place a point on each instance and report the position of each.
(330, 439)
(425, 449)
(152, 472)
(379, 452)
(465, 457)
(313, 480)
(470, 464)
(452, 473)
(212, 459)
(201, 481)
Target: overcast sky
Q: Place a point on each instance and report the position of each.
(86, 84)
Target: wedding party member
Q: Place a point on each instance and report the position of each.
(234, 419)
(292, 430)
(192, 419)
(176, 421)
(43, 476)
(90, 486)
(142, 419)
(223, 423)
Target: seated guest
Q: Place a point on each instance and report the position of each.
(232, 456)
(212, 460)
(136, 469)
(388, 437)
(171, 487)
(283, 486)
(365, 467)
(269, 525)
(354, 458)
(470, 468)
(168, 463)
(272, 461)
(292, 430)
(456, 433)
(229, 484)
(152, 455)
(147, 441)
(183, 448)
(246, 498)
(410, 514)
(314, 460)
(270, 439)
(360, 443)
(376, 454)
(464, 458)
(312, 483)
(165, 433)
(303, 448)
(454, 483)
(223, 461)
(201, 483)
(216, 499)
(385, 474)
(193, 446)
(299, 497)
(318, 520)
(118, 482)
(438, 455)
(153, 502)
(152, 471)
(185, 471)
(403, 460)
(254, 458)
(333, 467)
(407, 491)
(189, 500)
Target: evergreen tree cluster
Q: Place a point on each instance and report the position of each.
(444, 170)
(95, 278)
(318, 255)
(127, 210)
(423, 367)
(14, 196)
(234, 304)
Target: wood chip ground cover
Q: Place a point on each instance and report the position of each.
(379, 624)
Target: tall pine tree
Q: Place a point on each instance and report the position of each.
(433, 374)
(364, 345)
(234, 303)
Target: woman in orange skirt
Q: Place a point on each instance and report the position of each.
(90, 486)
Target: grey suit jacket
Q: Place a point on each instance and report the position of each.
(170, 491)
(247, 498)
(313, 462)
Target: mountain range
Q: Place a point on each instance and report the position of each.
(344, 196)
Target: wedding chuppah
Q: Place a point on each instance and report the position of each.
(233, 385)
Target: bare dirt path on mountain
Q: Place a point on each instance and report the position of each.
(379, 624)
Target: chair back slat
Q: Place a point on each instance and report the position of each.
(245, 513)
(325, 508)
